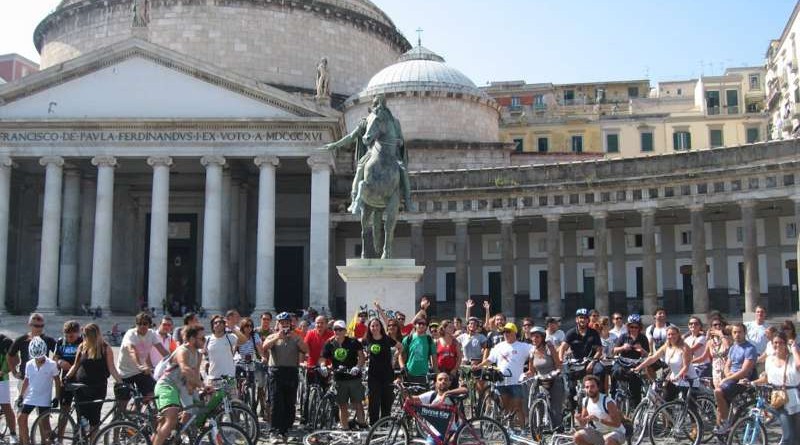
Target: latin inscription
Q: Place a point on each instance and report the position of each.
(160, 136)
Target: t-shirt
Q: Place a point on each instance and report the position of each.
(360, 330)
(618, 331)
(738, 353)
(379, 356)
(142, 344)
(20, 346)
(556, 338)
(405, 330)
(40, 382)
(168, 343)
(775, 376)
(608, 345)
(5, 345)
(342, 355)
(315, 342)
(511, 357)
(495, 338)
(220, 352)
(757, 335)
(692, 341)
(66, 351)
(446, 355)
(473, 345)
(583, 345)
(433, 398)
(285, 352)
(640, 340)
(248, 348)
(418, 349)
(657, 335)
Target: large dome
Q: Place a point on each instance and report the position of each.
(278, 42)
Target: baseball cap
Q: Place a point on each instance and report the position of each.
(475, 319)
(510, 327)
(552, 320)
(339, 324)
(433, 324)
(538, 330)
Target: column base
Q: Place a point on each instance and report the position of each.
(47, 311)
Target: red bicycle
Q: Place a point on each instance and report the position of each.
(443, 424)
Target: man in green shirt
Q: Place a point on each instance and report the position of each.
(419, 352)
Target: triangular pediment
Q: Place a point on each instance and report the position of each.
(138, 80)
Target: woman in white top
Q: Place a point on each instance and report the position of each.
(696, 340)
(783, 369)
(678, 357)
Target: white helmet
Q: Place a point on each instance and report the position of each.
(37, 348)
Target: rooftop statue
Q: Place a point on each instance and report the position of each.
(381, 175)
(141, 13)
(323, 79)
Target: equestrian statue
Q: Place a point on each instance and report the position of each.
(381, 175)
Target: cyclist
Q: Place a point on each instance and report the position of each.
(134, 355)
(220, 348)
(584, 342)
(315, 339)
(285, 348)
(619, 325)
(678, 357)
(164, 333)
(600, 419)
(632, 345)
(544, 361)
(657, 335)
(419, 352)
(347, 359)
(741, 362)
(696, 340)
(441, 393)
(190, 319)
(41, 373)
(180, 380)
(18, 353)
(554, 335)
(378, 347)
(510, 356)
(64, 355)
(448, 351)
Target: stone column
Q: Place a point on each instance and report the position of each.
(88, 198)
(212, 235)
(103, 232)
(233, 253)
(699, 268)
(242, 236)
(70, 231)
(320, 223)
(507, 265)
(752, 290)
(418, 251)
(462, 276)
(265, 247)
(226, 236)
(601, 262)
(51, 234)
(554, 308)
(649, 271)
(159, 231)
(5, 197)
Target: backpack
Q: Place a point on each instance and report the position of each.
(431, 346)
(626, 423)
(163, 366)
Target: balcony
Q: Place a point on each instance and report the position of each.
(733, 109)
(713, 111)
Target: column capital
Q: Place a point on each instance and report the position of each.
(159, 161)
(267, 161)
(320, 162)
(648, 211)
(600, 214)
(552, 217)
(45, 161)
(212, 160)
(6, 161)
(747, 203)
(104, 161)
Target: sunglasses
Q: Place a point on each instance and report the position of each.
(142, 324)
(219, 322)
(422, 324)
(37, 325)
(716, 325)
(617, 318)
(337, 329)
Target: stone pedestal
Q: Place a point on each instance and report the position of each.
(392, 282)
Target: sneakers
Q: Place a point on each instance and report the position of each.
(723, 428)
(12, 439)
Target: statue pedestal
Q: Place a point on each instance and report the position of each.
(391, 282)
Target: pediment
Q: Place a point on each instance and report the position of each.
(138, 80)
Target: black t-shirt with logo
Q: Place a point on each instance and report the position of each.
(344, 355)
(379, 354)
(583, 345)
(20, 346)
(641, 340)
(67, 351)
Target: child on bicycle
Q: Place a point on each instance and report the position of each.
(41, 373)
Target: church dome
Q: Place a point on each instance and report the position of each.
(273, 41)
(432, 100)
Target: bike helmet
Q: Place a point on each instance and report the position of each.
(283, 316)
(634, 318)
(37, 348)
(537, 330)
(582, 312)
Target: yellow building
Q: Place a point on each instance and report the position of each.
(783, 81)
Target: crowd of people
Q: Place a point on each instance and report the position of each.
(379, 349)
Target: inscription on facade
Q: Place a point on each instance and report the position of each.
(160, 136)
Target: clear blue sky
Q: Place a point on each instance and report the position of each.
(550, 40)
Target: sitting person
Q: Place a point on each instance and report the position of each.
(600, 419)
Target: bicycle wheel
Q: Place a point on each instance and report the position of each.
(121, 433)
(482, 431)
(707, 410)
(325, 417)
(674, 423)
(3, 426)
(490, 407)
(388, 431)
(223, 434)
(241, 417)
(539, 420)
(314, 398)
(640, 419)
(335, 437)
(747, 431)
(54, 425)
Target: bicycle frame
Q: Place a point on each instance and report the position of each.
(455, 418)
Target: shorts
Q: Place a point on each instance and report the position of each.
(513, 391)
(143, 382)
(167, 396)
(261, 375)
(731, 390)
(594, 437)
(5, 393)
(27, 409)
(349, 391)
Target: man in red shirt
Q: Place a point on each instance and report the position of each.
(360, 329)
(315, 339)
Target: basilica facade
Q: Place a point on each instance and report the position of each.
(171, 152)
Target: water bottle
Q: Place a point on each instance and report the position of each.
(84, 422)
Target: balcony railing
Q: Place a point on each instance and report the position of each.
(733, 109)
(713, 111)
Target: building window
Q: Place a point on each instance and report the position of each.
(569, 97)
(715, 137)
(739, 234)
(755, 82)
(587, 243)
(732, 100)
(515, 102)
(752, 135)
(679, 92)
(712, 102)
(791, 231)
(633, 92)
(647, 141)
(612, 143)
(450, 248)
(538, 102)
(681, 140)
(577, 144)
(519, 145)
(686, 237)
(542, 144)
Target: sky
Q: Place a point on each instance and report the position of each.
(558, 41)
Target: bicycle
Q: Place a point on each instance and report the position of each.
(246, 382)
(442, 425)
(539, 421)
(644, 411)
(314, 393)
(623, 394)
(751, 429)
(677, 422)
(491, 405)
(235, 411)
(573, 372)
